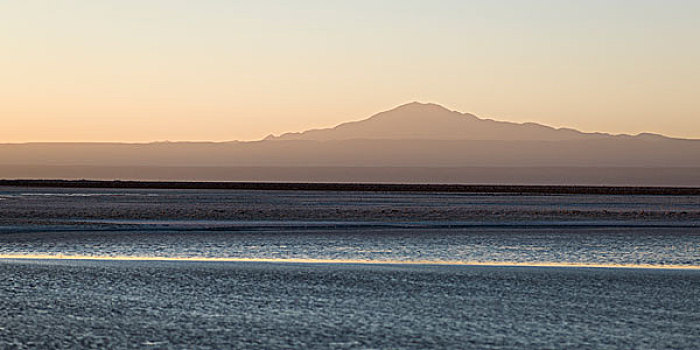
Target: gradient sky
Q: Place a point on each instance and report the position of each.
(144, 70)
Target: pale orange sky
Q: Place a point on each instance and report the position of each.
(225, 70)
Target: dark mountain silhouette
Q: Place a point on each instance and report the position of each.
(433, 122)
(419, 136)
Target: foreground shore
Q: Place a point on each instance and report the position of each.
(167, 304)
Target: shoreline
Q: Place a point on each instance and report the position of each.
(359, 187)
(545, 264)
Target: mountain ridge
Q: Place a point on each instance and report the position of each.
(430, 121)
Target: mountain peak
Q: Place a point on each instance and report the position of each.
(424, 109)
(420, 105)
(417, 112)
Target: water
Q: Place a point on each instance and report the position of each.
(362, 226)
(408, 297)
(185, 305)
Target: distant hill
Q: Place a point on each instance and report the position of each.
(419, 121)
(422, 136)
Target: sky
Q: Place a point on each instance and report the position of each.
(216, 70)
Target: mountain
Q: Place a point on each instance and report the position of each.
(427, 121)
(438, 144)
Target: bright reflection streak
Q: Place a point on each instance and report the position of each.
(343, 261)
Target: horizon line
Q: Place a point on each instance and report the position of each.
(272, 136)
